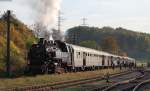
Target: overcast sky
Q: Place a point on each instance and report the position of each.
(130, 14)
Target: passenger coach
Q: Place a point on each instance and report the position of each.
(85, 58)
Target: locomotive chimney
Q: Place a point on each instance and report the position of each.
(51, 37)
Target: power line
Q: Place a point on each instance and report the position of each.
(60, 20)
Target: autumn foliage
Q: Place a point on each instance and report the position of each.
(21, 39)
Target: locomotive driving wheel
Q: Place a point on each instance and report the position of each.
(45, 69)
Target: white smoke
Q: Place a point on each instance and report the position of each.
(45, 12)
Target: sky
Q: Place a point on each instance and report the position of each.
(129, 14)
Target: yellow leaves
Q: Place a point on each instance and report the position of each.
(2, 42)
(14, 48)
(2, 28)
(21, 38)
(16, 37)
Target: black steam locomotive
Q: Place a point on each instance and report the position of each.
(47, 56)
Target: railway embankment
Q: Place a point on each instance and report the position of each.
(55, 78)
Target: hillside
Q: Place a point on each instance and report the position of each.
(21, 40)
(117, 41)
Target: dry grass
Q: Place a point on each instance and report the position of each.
(43, 79)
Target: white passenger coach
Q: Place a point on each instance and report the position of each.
(83, 57)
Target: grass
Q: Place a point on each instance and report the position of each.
(54, 78)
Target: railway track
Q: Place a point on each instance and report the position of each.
(143, 86)
(131, 84)
(115, 82)
(50, 87)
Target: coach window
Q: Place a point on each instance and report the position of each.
(85, 54)
(79, 54)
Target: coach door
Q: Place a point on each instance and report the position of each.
(71, 57)
(103, 60)
(84, 59)
(111, 60)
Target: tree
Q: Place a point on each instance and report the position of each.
(130, 43)
(110, 44)
(90, 44)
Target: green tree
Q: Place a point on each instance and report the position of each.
(90, 44)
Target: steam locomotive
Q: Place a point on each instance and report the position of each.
(54, 56)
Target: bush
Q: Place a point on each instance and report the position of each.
(17, 58)
(2, 63)
(17, 61)
(29, 42)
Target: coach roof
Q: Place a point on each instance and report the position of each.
(89, 50)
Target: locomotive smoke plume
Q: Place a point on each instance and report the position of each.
(45, 13)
